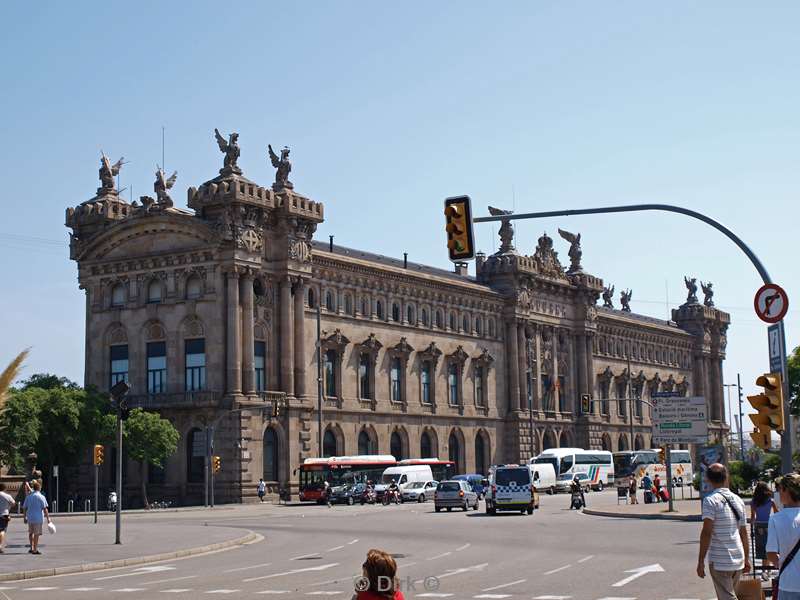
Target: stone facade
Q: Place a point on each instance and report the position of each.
(210, 314)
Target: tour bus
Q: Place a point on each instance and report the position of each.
(344, 470)
(641, 462)
(597, 464)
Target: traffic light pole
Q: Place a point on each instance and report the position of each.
(786, 436)
(96, 489)
(741, 431)
(118, 539)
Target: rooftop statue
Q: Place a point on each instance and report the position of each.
(691, 285)
(625, 299)
(575, 252)
(708, 293)
(107, 174)
(162, 185)
(230, 149)
(284, 168)
(506, 229)
(608, 297)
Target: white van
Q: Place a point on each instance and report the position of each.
(544, 477)
(403, 475)
(510, 489)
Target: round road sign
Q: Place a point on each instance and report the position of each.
(771, 303)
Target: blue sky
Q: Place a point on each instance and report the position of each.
(390, 108)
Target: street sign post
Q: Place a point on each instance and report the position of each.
(777, 349)
(771, 303)
(679, 420)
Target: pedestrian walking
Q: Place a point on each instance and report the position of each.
(6, 504)
(326, 491)
(761, 507)
(632, 489)
(657, 487)
(262, 489)
(723, 539)
(378, 579)
(783, 538)
(35, 510)
(647, 485)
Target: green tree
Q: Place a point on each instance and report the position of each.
(150, 440)
(793, 369)
(19, 430)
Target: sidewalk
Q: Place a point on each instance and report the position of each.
(685, 510)
(84, 546)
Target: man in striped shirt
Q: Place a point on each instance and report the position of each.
(724, 535)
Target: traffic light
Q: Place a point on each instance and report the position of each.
(662, 455)
(458, 216)
(586, 404)
(99, 454)
(216, 464)
(769, 405)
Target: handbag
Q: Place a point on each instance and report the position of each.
(749, 588)
(784, 564)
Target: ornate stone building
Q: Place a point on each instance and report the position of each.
(210, 315)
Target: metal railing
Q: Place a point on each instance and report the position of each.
(175, 399)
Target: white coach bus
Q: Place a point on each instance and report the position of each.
(597, 464)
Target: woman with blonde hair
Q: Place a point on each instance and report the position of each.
(379, 578)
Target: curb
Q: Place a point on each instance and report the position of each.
(644, 516)
(127, 562)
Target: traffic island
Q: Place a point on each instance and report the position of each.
(685, 510)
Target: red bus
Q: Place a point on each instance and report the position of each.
(343, 470)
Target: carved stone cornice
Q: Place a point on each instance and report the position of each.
(335, 341)
(371, 346)
(484, 359)
(431, 353)
(459, 356)
(401, 350)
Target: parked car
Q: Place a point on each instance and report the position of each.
(419, 491)
(564, 482)
(475, 482)
(348, 494)
(454, 494)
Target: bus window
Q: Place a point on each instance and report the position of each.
(566, 464)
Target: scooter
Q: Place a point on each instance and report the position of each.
(368, 497)
(112, 501)
(576, 501)
(391, 496)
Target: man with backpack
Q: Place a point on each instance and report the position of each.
(723, 538)
(783, 538)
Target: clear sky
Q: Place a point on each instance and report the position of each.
(390, 108)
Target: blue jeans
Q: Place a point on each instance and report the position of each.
(788, 595)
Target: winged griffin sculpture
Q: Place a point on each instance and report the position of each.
(575, 253)
(162, 185)
(608, 297)
(230, 148)
(625, 299)
(708, 293)
(108, 172)
(284, 168)
(691, 286)
(506, 230)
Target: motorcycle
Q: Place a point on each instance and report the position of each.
(368, 497)
(112, 501)
(391, 496)
(576, 501)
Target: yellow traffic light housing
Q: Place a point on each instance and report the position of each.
(769, 407)
(458, 217)
(216, 464)
(662, 455)
(98, 454)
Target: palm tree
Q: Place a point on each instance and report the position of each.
(8, 376)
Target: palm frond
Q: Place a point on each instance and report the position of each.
(8, 376)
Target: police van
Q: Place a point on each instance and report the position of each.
(510, 488)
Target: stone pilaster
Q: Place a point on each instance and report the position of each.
(299, 337)
(512, 350)
(522, 348)
(248, 346)
(287, 337)
(233, 346)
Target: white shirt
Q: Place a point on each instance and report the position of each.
(725, 552)
(6, 502)
(783, 533)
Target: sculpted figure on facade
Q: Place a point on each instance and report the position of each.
(625, 299)
(608, 297)
(162, 185)
(708, 293)
(575, 253)
(230, 148)
(691, 286)
(299, 250)
(284, 168)
(546, 258)
(506, 230)
(107, 174)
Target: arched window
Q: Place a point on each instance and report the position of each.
(396, 446)
(491, 328)
(426, 446)
(395, 312)
(638, 443)
(194, 288)
(312, 303)
(154, 292)
(348, 305)
(271, 455)
(365, 312)
(195, 455)
(454, 451)
(465, 324)
(452, 384)
(606, 442)
(410, 315)
(452, 321)
(478, 326)
(394, 380)
(328, 444)
(364, 445)
(623, 442)
(439, 320)
(480, 454)
(424, 315)
(379, 309)
(330, 304)
(118, 295)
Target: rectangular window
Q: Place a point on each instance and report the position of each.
(622, 405)
(562, 393)
(479, 399)
(452, 384)
(119, 364)
(156, 367)
(260, 363)
(195, 365)
(364, 368)
(425, 381)
(330, 372)
(394, 381)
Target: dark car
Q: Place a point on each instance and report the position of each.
(475, 482)
(348, 494)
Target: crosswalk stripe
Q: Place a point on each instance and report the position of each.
(275, 592)
(176, 591)
(552, 597)
(504, 585)
(223, 591)
(493, 596)
(39, 589)
(129, 590)
(83, 589)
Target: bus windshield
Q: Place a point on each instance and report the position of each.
(623, 464)
(550, 460)
(566, 463)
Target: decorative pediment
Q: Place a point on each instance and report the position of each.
(371, 345)
(484, 358)
(431, 353)
(334, 341)
(546, 259)
(402, 349)
(459, 356)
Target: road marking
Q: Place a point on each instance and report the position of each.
(493, 596)
(452, 572)
(350, 543)
(223, 591)
(302, 556)
(246, 568)
(464, 547)
(618, 598)
(442, 555)
(334, 548)
(504, 585)
(83, 589)
(176, 591)
(168, 580)
(557, 570)
(324, 593)
(275, 592)
(292, 572)
(585, 558)
(139, 571)
(403, 566)
(129, 590)
(639, 572)
(434, 595)
(552, 597)
(38, 589)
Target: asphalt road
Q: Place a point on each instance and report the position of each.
(315, 551)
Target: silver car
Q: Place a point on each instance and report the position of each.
(454, 494)
(419, 491)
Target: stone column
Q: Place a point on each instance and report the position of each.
(590, 374)
(537, 387)
(248, 349)
(233, 346)
(554, 375)
(522, 348)
(580, 365)
(513, 364)
(300, 338)
(286, 332)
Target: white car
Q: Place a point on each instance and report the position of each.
(419, 491)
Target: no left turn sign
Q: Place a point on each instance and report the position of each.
(771, 303)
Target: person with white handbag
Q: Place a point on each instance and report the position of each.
(35, 511)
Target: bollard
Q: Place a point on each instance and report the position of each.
(87, 505)
(70, 505)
